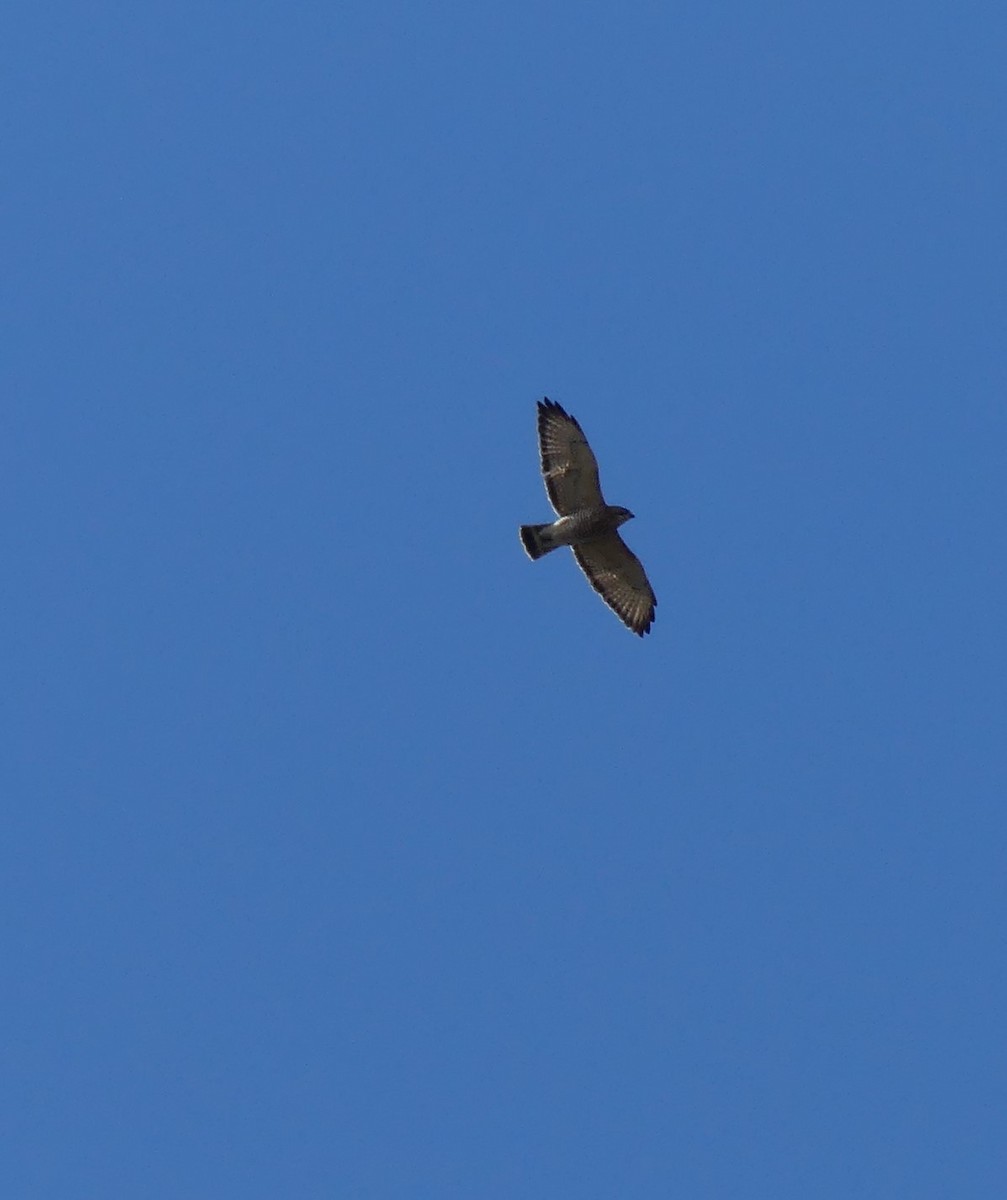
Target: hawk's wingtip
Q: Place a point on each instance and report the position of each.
(549, 408)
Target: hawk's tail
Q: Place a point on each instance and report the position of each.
(535, 541)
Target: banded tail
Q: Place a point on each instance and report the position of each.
(536, 540)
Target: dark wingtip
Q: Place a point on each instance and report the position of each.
(549, 408)
(644, 624)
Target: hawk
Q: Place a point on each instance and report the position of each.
(586, 523)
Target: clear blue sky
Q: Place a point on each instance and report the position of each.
(348, 853)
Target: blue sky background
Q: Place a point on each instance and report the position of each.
(345, 851)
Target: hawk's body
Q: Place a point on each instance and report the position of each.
(586, 523)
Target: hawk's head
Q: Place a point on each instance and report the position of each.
(621, 515)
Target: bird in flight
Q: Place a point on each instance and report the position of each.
(586, 523)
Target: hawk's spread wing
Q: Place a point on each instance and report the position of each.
(568, 465)
(617, 575)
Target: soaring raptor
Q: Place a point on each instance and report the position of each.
(586, 523)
